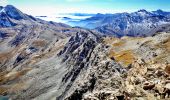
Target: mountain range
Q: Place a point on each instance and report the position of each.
(140, 23)
(116, 57)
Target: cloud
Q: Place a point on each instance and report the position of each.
(3, 2)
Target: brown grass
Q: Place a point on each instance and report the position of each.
(16, 87)
(4, 57)
(9, 76)
(125, 57)
(39, 43)
(47, 54)
(3, 90)
(165, 45)
(148, 42)
(117, 44)
(109, 40)
(13, 88)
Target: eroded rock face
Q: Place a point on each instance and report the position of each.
(77, 54)
(97, 74)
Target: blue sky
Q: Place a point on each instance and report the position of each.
(44, 7)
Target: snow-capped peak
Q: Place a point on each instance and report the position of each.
(13, 12)
(7, 13)
(143, 12)
(1, 7)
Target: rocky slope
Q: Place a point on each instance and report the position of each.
(126, 69)
(86, 66)
(42, 60)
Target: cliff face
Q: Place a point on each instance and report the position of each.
(86, 64)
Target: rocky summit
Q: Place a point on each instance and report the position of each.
(45, 60)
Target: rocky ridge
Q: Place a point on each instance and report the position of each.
(143, 77)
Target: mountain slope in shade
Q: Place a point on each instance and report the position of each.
(140, 23)
(161, 12)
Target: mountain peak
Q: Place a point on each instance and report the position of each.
(9, 6)
(142, 10)
(1, 7)
(159, 10)
(13, 12)
(9, 14)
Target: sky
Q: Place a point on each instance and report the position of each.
(51, 7)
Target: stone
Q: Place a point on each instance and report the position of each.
(167, 86)
(148, 86)
(167, 69)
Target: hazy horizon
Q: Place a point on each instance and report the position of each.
(53, 7)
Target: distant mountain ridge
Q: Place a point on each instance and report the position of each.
(140, 23)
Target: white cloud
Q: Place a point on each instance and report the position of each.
(3, 2)
(55, 10)
(38, 10)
